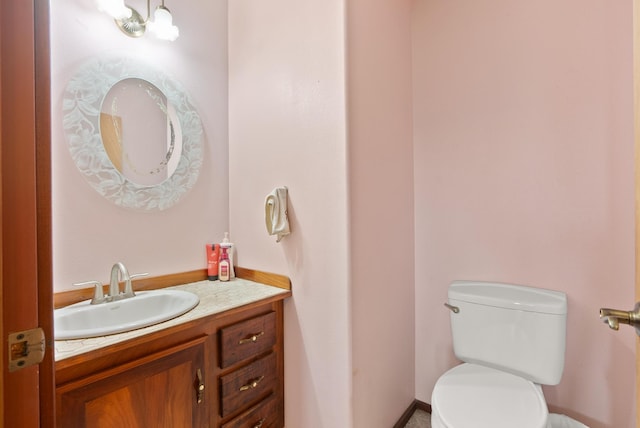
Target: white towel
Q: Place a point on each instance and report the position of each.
(276, 213)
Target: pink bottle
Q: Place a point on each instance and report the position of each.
(224, 265)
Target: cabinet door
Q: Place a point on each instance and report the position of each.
(162, 390)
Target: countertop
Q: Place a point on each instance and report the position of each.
(215, 297)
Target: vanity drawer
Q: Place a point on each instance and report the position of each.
(247, 339)
(264, 415)
(247, 384)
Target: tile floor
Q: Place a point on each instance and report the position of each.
(419, 419)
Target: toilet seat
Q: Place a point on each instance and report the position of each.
(474, 396)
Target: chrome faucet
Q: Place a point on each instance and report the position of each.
(118, 271)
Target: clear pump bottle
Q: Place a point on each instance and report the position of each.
(230, 247)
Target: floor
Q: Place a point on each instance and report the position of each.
(419, 419)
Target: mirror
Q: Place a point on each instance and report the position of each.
(146, 154)
(132, 132)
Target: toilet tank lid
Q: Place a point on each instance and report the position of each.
(510, 296)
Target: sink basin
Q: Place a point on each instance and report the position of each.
(83, 320)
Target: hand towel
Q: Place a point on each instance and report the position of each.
(276, 213)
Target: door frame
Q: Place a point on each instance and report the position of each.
(636, 125)
(44, 253)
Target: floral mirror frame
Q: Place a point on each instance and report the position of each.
(81, 107)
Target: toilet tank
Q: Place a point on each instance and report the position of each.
(514, 328)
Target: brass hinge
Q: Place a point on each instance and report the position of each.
(26, 348)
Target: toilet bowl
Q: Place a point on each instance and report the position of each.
(474, 396)
(510, 339)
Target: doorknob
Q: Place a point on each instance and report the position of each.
(615, 317)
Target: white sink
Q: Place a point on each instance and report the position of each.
(83, 320)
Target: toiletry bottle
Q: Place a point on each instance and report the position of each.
(230, 247)
(213, 255)
(224, 264)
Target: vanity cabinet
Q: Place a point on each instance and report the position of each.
(160, 390)
(225, 370)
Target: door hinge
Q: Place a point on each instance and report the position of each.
(26, 348)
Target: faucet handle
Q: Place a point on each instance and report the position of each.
(98, 293)
(128, 288)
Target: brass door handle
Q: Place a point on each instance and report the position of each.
(615, 317)
(200, 386)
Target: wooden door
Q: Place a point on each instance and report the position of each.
(25, 232)
(162, 390)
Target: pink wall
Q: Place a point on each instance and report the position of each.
(522, 165)
(89, 232)
(349, 326)
(287, 127)
(524, 173)
(380, 147)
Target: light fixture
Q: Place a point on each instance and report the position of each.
(162, 24)
(134, 25)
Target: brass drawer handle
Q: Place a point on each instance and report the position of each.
(251, 339)
(251, 385)
(259, 424)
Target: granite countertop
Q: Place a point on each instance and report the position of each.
(215, 297)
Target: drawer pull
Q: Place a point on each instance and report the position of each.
(253, 384)
(259, 424)
(251, 339)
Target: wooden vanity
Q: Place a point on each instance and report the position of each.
(219, 369)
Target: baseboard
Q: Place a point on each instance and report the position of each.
(416, 405)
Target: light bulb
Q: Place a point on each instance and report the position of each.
(162, 24)
(116, 8)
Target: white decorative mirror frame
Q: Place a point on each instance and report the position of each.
(81, 106)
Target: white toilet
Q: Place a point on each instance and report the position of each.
(511, 340)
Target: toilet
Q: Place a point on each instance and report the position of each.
(511, 340)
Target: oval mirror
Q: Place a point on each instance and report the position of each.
(133, 133)
(140, 131)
